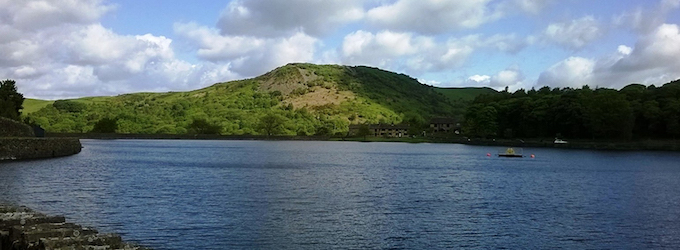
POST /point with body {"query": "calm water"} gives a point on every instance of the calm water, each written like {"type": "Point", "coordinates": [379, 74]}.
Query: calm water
{"type": "Point", "coordinates": [320, 195]}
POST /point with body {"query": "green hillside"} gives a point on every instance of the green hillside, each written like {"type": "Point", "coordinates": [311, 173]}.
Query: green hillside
{"type": "Point", "coordinates": [304, 99]}
{"type": "Point", "coordinates": [32, 105]}
{"type": "Point", "coordinates": [465, 94]}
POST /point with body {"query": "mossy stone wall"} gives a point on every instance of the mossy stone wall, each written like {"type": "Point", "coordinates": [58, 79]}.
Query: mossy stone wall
{"type": "Point", "coordinates": [12, 128]}
{"type": "Point", "coordinates": [37, 148]}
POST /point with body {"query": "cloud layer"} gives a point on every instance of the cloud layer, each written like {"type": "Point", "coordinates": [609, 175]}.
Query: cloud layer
{"type": "Point", "coordinates": [61, 48]}
{"type": "Point", "coordinates": [653, 60]}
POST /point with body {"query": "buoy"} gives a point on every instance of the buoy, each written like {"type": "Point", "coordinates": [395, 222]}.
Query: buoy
{"type": "Point", "coordinates": [488, 154]}
{"type": "Point", "coordinates": [533, 156]}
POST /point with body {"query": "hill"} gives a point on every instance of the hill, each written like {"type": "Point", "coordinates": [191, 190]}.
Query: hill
{"type": "Point", "coordinates": [304, 99]}
{"type": "Point", "coordinates": [465, 94]}
{"type": "Point", "coordinates": [33, 105]}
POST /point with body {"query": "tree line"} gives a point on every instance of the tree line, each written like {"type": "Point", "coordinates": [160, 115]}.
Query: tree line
{"type": "Point", "coordinates": [634, 112]}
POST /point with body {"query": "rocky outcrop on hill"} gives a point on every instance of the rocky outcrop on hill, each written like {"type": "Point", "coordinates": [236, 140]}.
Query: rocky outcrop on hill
{"type": "Point", "coordinates": [23, 229]}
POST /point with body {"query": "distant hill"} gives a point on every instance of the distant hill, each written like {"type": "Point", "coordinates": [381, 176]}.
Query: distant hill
{"type": "Point", "coordinates": [307, 99]}
{"type": "Point", "coordinates": [465, 94]}
{"type": "Point", "coordinates": [32, 105]}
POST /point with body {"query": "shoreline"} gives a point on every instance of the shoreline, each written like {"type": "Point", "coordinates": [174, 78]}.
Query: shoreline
{"type": "Point", "coordinates": [642, 145]}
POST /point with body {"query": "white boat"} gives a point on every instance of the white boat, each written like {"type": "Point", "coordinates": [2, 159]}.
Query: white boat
{"type": "Point", "coordinates": [560, 141]}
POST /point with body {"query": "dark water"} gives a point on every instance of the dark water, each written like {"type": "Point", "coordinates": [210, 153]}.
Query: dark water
{"type": "Point", "coordinates": [321, 195]}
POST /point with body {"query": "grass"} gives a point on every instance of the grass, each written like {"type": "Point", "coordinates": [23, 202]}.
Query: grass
{"type": "Point", "coordinates": [33, 105]}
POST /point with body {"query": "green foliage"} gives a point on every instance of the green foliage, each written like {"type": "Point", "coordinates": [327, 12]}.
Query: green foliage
{"type": "Point", "coordinates": [464, 94]}
{"type": "Point", "coordinates": [203, 127]}
{"type": "Point", "coordinates": [237, 107]}
{"type": "Point", "coordinates": [364, 131]}
{"type": "Point", "coordinates": [105, 125]}
{"type": "Point", "coordinates": [11, 101]}
{"type": "Point", "coordinates": [633, 112]}
{"type": "Point", "coordinates": [480, 121]}
{"type": "Point", "coordinates": [69, 106]}
{"type": "Point", "coordinates": [33, 105]}
{"type": "Point", "coordinates": [271, 124]}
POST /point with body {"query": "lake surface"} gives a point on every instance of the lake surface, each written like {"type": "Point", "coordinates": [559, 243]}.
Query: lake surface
{"type": "Point", "coordinates": [321, 195]}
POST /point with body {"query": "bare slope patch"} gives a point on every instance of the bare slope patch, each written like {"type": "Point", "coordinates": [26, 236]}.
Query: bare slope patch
{"type": "Point", "coordinates": [319, 96]}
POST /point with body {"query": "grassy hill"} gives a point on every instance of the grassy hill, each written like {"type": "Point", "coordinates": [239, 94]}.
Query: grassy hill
{"type": "Point", "coordinates": [305, 99]}
{"type": "Point", "coordinates": [465, 94]}
{"type": "Point", "coordinates": [33, 105]}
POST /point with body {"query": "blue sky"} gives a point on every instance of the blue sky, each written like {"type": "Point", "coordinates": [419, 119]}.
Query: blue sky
{"type": "Point", "coordinates": [73, 48]}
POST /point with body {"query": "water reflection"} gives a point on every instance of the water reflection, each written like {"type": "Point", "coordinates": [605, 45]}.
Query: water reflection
{"type": "Point", "coordinates": [255, 194]}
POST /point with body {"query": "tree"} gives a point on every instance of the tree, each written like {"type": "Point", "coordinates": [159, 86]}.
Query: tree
{"type": "Point", "coordinates": [69, 106]}
{"type": "Point", "coordinates": [11, 101]}
{"type": "Point", "coordinates": [363, 131]}
{"type": "Point", "coordinates": [271, 124]}
{"type": "Point", "coordinates": [203, 127]}
{"type": "Point", "coordinates": [481, 121]}
{"type": "Point", "coordinates": [416, 123]}
{"type": "Point", "coordinates": [105, 125]}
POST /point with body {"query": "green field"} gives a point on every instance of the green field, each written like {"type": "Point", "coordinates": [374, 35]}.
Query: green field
{"type": "Point", "coordinates": [33, 105]}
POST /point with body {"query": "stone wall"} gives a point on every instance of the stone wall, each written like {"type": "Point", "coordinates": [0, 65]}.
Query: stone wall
{"type": "Point", "coordinates": [12, 128]}
{"type": "Point", "coordinates": [24, 229]}
{"type": "Point", "coordinates": [36, 148]}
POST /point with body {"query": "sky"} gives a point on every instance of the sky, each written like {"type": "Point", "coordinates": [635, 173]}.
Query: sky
{"type": "Point", "coordinates": [56, 49]}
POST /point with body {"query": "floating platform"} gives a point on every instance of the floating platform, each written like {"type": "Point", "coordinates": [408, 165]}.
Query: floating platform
{"type": "Point", "coordinates": [511, 152]}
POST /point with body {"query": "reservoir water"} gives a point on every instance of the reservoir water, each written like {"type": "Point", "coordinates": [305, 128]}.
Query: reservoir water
{"type": "Point", "coordinates": [186, 194]}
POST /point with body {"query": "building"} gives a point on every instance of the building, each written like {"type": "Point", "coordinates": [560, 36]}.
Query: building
{"type": "Point", "coordinates": [443, 124]}
{"type": "Point", "coordinates": [382, 130]}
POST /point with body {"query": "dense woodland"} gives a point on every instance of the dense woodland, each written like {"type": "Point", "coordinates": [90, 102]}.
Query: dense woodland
{"type": "Point", "coordinates": [634, 112]}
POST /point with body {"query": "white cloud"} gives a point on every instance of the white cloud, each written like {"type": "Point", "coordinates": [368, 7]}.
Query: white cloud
{"type": "Point", "coordinates": [624, 50]}
{"type": "Point", "coordinates": [246, 55]}
{"type": "Point", "coordinates": [653, 60]}
{"type": "Point", "coordinates": [384, 49]}
{"type": "Point", "coordinates": [509, 43]}
{"type": "Point", "coordinates": [214, 47]}
{"type": "Point", "coordinates": [657, 50]}
{"type": "Point", "coordinates": [506, 78]}
{"type": "Point", "coordinates": [430, 82]}
{"type": "Point", "coordinates": [510, 77]}
{"type": "Point", "coordinates": [575, 34]}
{"type": "Point", "coordinates": [477, 79]}
{"type": "Point", "coordinates": [264, 18]}
{"type": "Point", "coordinates": [432, 16]}
{"type": "Point", "coordinates": [531, 6]}
{"type": "Point", "coordinates": [646, 21]}
{"type": "Point", "coordinates": [573, 72]}
{"type": "Point", "coordinates": [404, 51]}
{"type": "Point", "coordinates": [57, 49]}
{"type": "Point", "coordinates": [37, 14]}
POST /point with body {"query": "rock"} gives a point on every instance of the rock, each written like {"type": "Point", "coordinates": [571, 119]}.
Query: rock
{"type": "Point", "coordinates": [24, 229]}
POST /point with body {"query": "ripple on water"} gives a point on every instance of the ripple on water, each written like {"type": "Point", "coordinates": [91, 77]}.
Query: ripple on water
{"type": "Point", "coordinates": [318, 195]}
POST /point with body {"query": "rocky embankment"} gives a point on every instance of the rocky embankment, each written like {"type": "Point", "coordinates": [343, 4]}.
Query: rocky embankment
{"type": "Point", "coordinates": [37, 148]}
{"type": "Point", "coordinates": [18, 142]}
{"type": "Point", "coordinates": [24, 229]}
